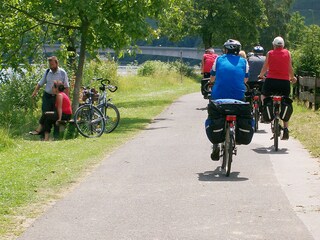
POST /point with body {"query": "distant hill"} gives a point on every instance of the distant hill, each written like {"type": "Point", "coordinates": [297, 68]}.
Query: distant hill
{"type": "Point", "coordinates": [310, 9]}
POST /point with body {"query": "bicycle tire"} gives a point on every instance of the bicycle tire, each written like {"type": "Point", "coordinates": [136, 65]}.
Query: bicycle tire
{"type": "Point", "coordinates": [226, 164]}
{"type": "Point", "coordinates": [111, 116]}
{"type": "Point", "coordinates": [89, 121]}
{"type": "Point", "coordinates": [256, 118]}
{"type": "Point", "coordinates": [230, 150]}
{"type": "Point", "coordinates": [276, 136]}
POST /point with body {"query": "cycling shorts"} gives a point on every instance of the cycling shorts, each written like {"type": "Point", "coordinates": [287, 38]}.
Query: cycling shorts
{"type": "Point", "coordinates": [273, 86]}
{"type": "Point", "coordinates": [256, 84]}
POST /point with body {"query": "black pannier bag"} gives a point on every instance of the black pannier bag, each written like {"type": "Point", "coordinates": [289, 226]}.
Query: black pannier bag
{"type": "Point", "coordinates": [216, 121]}
{"type": "Point", "coordinates": [244, 129]}
{"type": "Point", "coordinates": [267, 111]}
{"type": "Point", "coordinates": [286, 109]}
{"type": "Point", "coordinates": [215, 130]}
{"type": "Point", "coordinates": [221, 110]}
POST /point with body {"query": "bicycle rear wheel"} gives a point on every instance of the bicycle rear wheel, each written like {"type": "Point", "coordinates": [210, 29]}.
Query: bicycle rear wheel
{"type": "Point", "coordinates": [256, 118]}
{"type": "Point", "coordinates": [227, 152]}
{"type": "Point", "coordinates": [276, 134]}
{"type": "Point", "coordinates": [89, 121]}
{"type": "Point", "coordinates": [112, 117]}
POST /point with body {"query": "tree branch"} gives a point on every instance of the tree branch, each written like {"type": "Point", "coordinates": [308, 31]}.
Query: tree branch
{"type": "Point", "coordinates": [42, 20]}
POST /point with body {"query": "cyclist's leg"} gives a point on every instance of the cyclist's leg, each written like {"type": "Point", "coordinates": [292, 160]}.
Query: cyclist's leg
{"type": "Point", "coordinates": [203, 84]}
{"type": "Point", "coordinates": [215, 155]}
{"type": "Point", "coordinates": [285, 91]}
{"type": "Point", "coordinates": [266, 91]}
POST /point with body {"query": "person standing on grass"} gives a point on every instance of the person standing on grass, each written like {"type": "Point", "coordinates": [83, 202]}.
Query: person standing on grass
{"type": "Point", "coordinates": [53, 73]}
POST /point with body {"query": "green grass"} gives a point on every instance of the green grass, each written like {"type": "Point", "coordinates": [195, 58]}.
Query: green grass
{"type": "Point", "coordinates": [33, 173]}
{"type": "Point", "coordinates": [304, 125]}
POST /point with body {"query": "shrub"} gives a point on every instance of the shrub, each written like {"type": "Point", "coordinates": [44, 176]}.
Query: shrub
{"type": "Point", "coordinates": [5, 140]}
{"type": "Point", "coordinates": [307, 57]}
{"type": "Point", "coordinates": [17, 107]}
{"type": "Point", "coordinates": [151, 68]}
{"type": "Point", "coordinates": [157, 68]}
{"type": "Point", "coordinates": [100, 68]}
{"type": "Point", "coordinates": [183, 68]}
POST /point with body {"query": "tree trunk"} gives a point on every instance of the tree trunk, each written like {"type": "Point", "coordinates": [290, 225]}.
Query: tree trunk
{"type": "Point", "coordinates": [207, 38]}
{"type": "Point", "coordinates": [79, 73]}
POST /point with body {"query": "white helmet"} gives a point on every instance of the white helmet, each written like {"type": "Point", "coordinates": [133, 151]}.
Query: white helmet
{"type": "Point", "coordinates": [278, 42]}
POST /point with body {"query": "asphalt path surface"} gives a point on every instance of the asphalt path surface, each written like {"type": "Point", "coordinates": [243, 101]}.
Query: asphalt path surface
{"type": "Point", "coordinates": [163, 185]}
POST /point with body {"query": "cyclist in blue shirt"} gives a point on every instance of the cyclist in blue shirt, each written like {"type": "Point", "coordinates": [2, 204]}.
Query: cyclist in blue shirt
{"type": "Point", "coordinates": [229, 73]}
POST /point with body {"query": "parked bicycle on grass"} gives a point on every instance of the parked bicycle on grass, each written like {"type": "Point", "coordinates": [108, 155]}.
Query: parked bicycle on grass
{"type": "Point", "coordinates": [93, 120]}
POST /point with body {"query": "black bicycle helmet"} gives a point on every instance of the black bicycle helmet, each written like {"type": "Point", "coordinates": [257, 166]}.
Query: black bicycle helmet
{"type": "Point", "coordinates": [232, 46]}
{"type": "Point", "coordinates": [258, 49]}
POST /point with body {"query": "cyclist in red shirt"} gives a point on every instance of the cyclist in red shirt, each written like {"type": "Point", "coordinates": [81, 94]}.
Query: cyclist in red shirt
{"type": "Point", "coordinates": [208, 59]}
{"type": "Point", "coordinates": [278, 66]}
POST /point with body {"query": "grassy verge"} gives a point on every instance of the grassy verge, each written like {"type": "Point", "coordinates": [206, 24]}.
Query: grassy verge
{"type": "Point", "coordinates": [304, 126]}
{"type": "Point", "coordinates": [33, 173]}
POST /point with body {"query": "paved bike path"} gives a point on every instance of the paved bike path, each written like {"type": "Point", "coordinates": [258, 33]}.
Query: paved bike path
{"type": "Point", "coordinates": [163, 185]}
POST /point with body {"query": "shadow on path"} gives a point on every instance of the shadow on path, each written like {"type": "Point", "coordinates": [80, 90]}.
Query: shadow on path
{"type": "Point", "coordinates": [261, 131]}
{"type": "Point", "coordinates": [270, 150]}
{"type": "Point", "coordinates": [219, 176]}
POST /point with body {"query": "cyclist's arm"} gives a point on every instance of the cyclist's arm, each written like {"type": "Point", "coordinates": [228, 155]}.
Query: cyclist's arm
{"type": "Point", "coordinates": [292, 78]}
{"type": "Point", "coordinates": [264, 68]}
{"type": "Point", "coordinates": [202, 65]}
{"type": "Point", "coordinates": [59, 106]}
{"type": "Point", "coordinates": [247, 72]}
{"type": "Point", "coordinates": [213, 72]}
{"type": "Point", "coordinates": [36, 90]}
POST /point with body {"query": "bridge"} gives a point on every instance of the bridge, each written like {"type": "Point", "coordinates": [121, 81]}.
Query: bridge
{"type": "Point", "coordinates": [178, 52]}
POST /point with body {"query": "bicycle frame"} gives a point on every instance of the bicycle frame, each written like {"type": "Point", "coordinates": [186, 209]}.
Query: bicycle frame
{"type": "Point", "coordinates": [256, 101]}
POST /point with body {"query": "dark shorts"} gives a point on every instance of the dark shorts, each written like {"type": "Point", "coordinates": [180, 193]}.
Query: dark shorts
{"type": "Point", "coordinates": [273, 86]}
{"type": "Point", "coordinates": [206, 75]}
{"type": "Point", "coordinates": [257, 84]}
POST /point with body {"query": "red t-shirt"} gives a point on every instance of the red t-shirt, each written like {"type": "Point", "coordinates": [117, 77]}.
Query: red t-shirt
{"type": "Point", "coordinates": [209, 59]}
{"type": "Point", "coordinates": [66, 104]}
{"type": "Point", "coordinates": [279, 61]}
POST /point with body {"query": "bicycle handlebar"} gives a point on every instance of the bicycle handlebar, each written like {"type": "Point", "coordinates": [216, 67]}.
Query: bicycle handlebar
{"type": "Point", "coordinates": [102, 80]}
{"type": "Point", "coordinates": [115, 88]}
{"type": "Point", "coordinates": [106, 83]}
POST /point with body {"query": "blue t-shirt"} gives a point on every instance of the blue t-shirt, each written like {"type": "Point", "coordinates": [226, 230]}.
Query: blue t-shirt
{"type": "Point", "coordinates": [230, 71]}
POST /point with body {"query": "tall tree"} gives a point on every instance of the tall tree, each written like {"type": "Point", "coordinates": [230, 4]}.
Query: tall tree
{"type": "Point", "coordinates": [93, 24]}
{"type": "Point", "coordinates": [216, 20]}
{"type": "Point", "coordinates": [278, 15]}
{"type": "Point", "coordinates": [296, 30]}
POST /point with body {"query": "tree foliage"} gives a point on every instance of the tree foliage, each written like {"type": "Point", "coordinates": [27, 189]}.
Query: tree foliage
{"type": "Point", "coordinates": [296, 30]}
{"type": "Point", "coordinates": [306, 55]}
{"type": "Point", "coordinates": [215, 21]}
{"type": "Point", "coordinates": [84, 24]}
{"type": "Point", "coordinates": [278, 16]}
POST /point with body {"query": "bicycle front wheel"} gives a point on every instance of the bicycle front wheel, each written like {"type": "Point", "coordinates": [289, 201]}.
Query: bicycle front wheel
{"type": "Point", "coordinates": [89, 121]}
{"type": "Point", "coordinates": [112, 117]}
